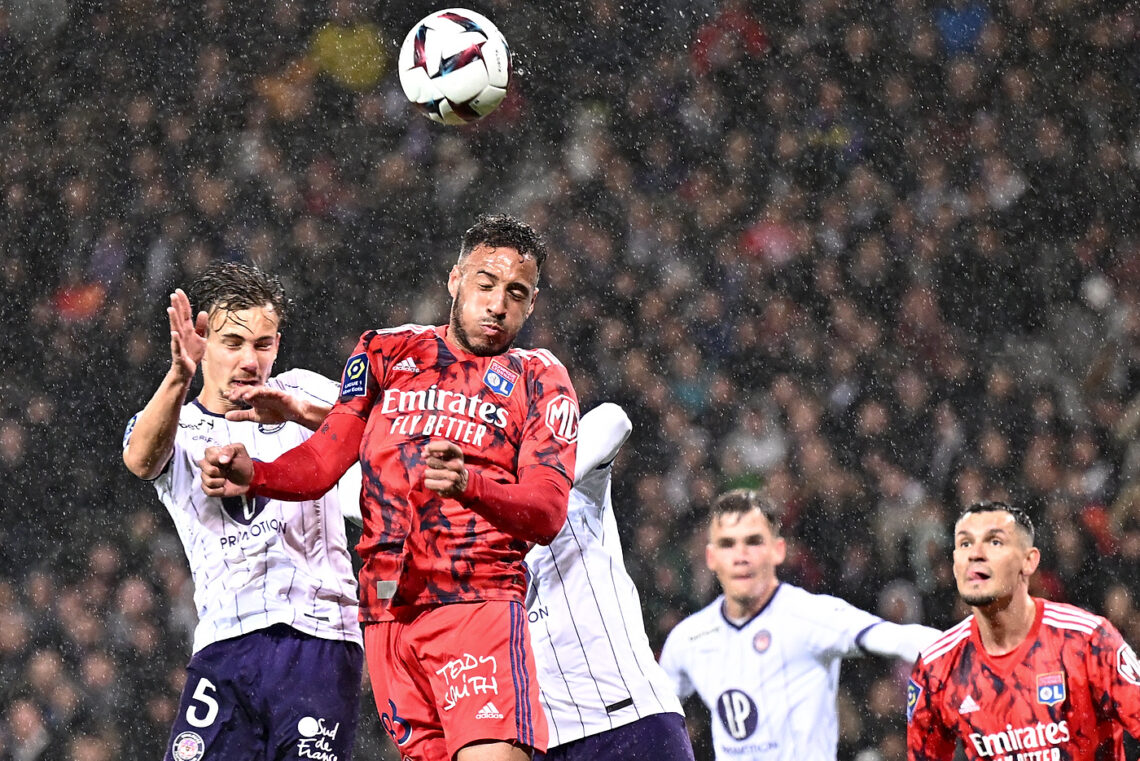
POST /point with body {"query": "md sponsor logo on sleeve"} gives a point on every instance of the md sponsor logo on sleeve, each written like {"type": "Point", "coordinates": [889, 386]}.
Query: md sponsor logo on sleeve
{"type": "Point", "coordinates": [562, 418]}
{"type": "Point", "coordinates": [500, 378]}
{"type": "Point", "coordinates": [355, 380]}
{"type": "Point", "coordinates": [913, 693]}
{"type": "Point", "coordinates": [1127, 664]}
{"type": "Point", "coordinates": [1051, 688]}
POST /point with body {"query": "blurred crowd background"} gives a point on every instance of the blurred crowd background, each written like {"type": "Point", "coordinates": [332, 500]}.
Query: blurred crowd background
{"type": "Point", "coordinates": [880, 257]}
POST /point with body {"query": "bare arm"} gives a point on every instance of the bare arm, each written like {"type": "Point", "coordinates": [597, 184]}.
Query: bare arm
{"type": "Point", "coordinates": [152, 438]}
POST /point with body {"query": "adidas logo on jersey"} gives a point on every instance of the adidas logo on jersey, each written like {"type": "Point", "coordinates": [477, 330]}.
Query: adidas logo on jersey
{"type": "Point", "coordinates": [969, 705]}
{"type": "Point", "coordinates": [489, 712]}
{"type": "Point", "coordinates": [407, 365]}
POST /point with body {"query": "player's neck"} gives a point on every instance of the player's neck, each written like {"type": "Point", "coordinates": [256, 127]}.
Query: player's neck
{"type": "Point", "coordinates": [738, 610]}
{"type": "Point", "coordinates": [213, 402]}
{"type": "Point", "coordinates": [1004, 624]}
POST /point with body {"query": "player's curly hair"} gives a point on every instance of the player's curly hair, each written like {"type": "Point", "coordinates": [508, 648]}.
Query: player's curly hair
{"type": "Point", "coordinates": [233, 286]}
{"type": "Point", "coordinates": [504, 230]}
{"type": "Point", "coordinates": [1020, 517]}
{"type": "Point", "coordinates": [740, 501]}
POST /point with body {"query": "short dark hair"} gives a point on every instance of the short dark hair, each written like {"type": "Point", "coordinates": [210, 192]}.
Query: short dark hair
{"type": "Point", "coordinates": [1019, 515]}
{"type": "Point", "coordinates": [504, 230]}
{"type": "Point", "coordinates": [233, 286]}
{"type": "Point", "coordinates": [740, 501]}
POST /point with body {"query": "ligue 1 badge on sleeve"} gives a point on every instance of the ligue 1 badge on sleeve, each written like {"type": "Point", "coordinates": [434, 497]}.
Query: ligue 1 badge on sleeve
{"type": "Point", "coordinates": [1051, 688]}
{"type": "Point", "coordinates": [354, 382]}
{"type": "Point", "coordinates": [913, 693]}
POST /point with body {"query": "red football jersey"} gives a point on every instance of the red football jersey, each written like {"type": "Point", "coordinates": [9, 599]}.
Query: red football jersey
{"type": "Point", "coordinates": [1065, 694]}
{"type": "Point", "coordinates": [508, 413]}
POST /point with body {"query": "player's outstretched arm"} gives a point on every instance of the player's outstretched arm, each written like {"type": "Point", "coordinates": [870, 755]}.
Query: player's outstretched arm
{"type": "Point", "coordinates": [601, 433]}
{"type": "Point", "coordinates": [903, 641]}
{"type": "Point", "coordinates": [273, 406]}
{"type": "Point", "coordinates": [150, 441]}
{"type": "Point", "coordinates": [304, 472]}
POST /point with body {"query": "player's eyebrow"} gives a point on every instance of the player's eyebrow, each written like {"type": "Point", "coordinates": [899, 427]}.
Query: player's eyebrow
{"type": "Point", "coordinates": [517, 284]}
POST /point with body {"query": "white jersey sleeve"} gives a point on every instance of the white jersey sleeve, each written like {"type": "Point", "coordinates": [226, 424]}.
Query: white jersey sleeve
{"type": "Point", "coordinates": [259, 562]}
{"type": "Point", "coordinates": [596, 669]}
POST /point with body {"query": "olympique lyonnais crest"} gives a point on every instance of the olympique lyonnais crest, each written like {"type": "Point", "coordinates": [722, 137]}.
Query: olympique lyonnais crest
{"type": "Point", "coordinates": [762, 641]}
{"type": "Point", "coordinates": [500, 378]}
{"type": "Point", "coordinates": [1051, 688]}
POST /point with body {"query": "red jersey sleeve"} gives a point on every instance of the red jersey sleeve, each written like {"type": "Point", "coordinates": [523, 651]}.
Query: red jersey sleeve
{"type": "Point", "coordinates": [359, 384]}
{"type": "Point", "coordinates": [1114, 676]}
{"type": "Point", "coordinates": [550, 434]}
{"type": "Point", "coordinates": [928, 738]}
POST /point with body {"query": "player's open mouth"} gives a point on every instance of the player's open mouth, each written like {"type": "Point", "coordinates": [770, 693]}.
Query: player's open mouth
{"type": "Point", "coordinates": [977, 576]}
{"type": "Point", "coordinates": [249, 382]}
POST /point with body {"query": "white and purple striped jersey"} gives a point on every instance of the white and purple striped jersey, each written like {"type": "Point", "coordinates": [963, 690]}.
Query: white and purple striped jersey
{"type": "Point", "coordinates": [596, 669]}
{"type": "Point", "coordinates": [259, 562]}
{"type": "Point", "coordinates": [772, 682]}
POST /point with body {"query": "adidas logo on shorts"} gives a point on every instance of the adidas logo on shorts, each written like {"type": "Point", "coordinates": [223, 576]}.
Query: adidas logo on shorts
{"type": "Point", "coordinates": [489, 712]}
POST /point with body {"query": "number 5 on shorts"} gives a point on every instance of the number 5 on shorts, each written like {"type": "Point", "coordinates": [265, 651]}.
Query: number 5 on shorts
{"type": "Point", "coordinates": [210, 703]}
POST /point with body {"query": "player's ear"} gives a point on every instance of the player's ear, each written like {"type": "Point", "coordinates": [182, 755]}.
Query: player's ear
{"type": "Point", "coordinates": [533, 297]}
{"type": "Point", "coordinates": [453, 281]}
{"type": "Point", "coordinates": [709, 556]}
{"type": "Point", "coordinates": [779, 551]}
{"type": "Point", "coordinates": [1032, 559]}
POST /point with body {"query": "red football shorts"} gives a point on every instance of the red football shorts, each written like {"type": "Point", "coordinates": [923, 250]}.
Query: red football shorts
{"type": "Point", "coordinates": [454, 675]}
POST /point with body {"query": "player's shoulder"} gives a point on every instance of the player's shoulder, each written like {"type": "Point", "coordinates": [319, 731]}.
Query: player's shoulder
{"type": "Point", "coordinates": [298, 379]}
{"type": "Point", "coordinates": [384, 339]}
{"type": "Point", "coordinates": [699, 625]}
{"type": "Point", "coordinates": [1058, 615]}
{"type": "Point", "coordinates": [807, 604]}
{"type": "Point", "coordinates": [538, 358]}
{"type": "Point", "coordinates": [952, 639]}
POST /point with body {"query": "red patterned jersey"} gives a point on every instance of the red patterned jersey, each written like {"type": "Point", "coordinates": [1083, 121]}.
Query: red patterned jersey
{"type": "Point", "coordinates": [1065, 694]}
{"type": "Point", "coordinates": [508, 413]}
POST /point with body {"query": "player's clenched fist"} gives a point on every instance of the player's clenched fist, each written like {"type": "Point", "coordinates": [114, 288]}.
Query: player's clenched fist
{"type": "Point", "coordinates": [226, 471]}
{"type": "Point", "coordinates": [445, 473]}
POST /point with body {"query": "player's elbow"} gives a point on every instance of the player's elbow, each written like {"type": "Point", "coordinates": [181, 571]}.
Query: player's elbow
{"type": "Point", "coordinates": [548, 525]}
{"type": "Point", "coordinates": [139, 465]}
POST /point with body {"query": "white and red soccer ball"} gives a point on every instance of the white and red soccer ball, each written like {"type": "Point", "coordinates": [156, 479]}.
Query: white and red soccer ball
{"type": "Point", "coordinates": [454, 66]}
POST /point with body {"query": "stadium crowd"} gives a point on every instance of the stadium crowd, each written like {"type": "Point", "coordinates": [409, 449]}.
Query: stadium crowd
{"type": "Point", "coordinates": [882, 258]}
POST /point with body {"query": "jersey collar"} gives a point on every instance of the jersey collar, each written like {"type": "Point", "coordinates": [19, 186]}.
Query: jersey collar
{"type": "Point", "coordinates": [764, 607]}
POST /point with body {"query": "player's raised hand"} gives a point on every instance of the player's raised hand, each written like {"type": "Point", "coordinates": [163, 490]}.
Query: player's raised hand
{"type": "Point", "coordinates": [187, 335]}
{"type": "Point", "coordinates": [226, 471]}
{"type": "Point", "coordinates": [266, 405]}
{"type": "Point", "coordinates": [445, 473]}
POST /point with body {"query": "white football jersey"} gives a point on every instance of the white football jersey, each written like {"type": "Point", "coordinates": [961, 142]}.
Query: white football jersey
{"type": "Point", "coordinates": [596, 669]}
{"type": "Point", "coordinates": [772, 682]}
{"type": "Point", "coordinates": [260, 562]}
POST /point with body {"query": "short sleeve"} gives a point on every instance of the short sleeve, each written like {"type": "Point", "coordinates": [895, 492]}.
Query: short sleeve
{"type": "Point", "coordinates": [672, 661]}
{"type": "Point", "coordinates": [550, 433]}
{"type": "Point", "coordinates": [1114, 673]}
{"type": "Point", "coordinates": [359, 384]}
{"type": "Point", "coordinates": [927, 737]}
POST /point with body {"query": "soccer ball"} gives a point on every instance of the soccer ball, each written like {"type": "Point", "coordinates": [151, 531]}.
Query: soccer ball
{"type": "Point", "coordinates": [454, 66]}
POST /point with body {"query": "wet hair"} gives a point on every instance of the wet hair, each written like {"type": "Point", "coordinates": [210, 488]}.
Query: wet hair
{"type": "Point", "coordinates": [232, 286]}
{"type": "Point", "coordinates": [740, 501]}
{"type": "Point", "coordinates": [1019, 515]}
{"type": "Point", "coordinates": [497, 230]}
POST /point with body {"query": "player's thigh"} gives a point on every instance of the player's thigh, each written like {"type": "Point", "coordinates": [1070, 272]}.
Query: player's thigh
{"type": "Point", "coordinates": [660, 737]}
{"type": "Point", "coordinates": [478, 659]}
{"type": "Point", "coordinates": [403, 696]}
{"type": "Point", "coordinates": [313, 707]}
{"type": "Point", "coordinates": [215, 720]}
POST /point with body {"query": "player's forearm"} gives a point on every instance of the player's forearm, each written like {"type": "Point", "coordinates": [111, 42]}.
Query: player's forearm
{"type": "Point", "coordinates": [533, 510]}
{"type": "Point", "coordinates": [152, 437]}
{"type": "Point", "coordinates": [601, 433]}
{"type": "Point", "coordinates": [903, 641]}
{"type": "Point", "coordinates": [311, 469]}
{"type": "Point", "coordinates": [312, 414]}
